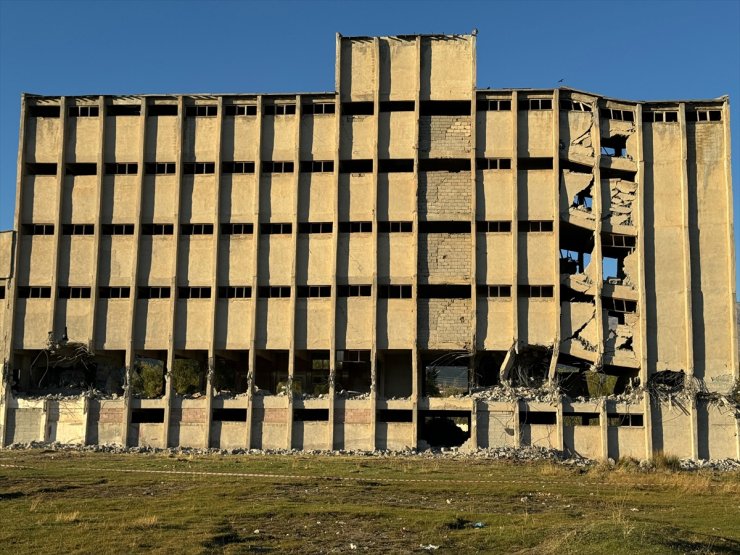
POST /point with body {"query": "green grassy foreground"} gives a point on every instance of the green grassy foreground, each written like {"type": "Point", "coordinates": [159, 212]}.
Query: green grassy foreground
{"type": "Point", "coordinates": [66, 502]}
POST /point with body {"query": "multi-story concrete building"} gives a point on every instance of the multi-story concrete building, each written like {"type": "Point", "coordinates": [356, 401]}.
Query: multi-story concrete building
{"type": "Point", "coordinates": [408, 260]}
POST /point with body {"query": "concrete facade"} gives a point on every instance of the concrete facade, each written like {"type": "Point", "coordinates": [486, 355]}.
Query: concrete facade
{"type": "Point", "coordinates": [407, 261]}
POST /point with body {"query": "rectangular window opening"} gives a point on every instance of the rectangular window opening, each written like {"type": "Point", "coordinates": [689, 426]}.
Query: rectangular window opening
{"type": "Point", "coordinates": [358, 108]}
{"type": "Point", "coordinates": [147, 292]}
{"type": "Point", "coordinates": [534, 164]}
{"type": "Point", "coordinates": [199, 168]}
{"type": "Point", "coordinates": [537, 418]}
{"type": "Point", "coordinates": [395, 416]}
{"type": "Point", "coordinates": [394, 292]}
{"type": "Point", "coordinates": [41, 111]}
{"type": "Point", "coordinates": [496, 291]}
{"type": "Point", "coordinates": [209, 110]}
{"type": "Point", "coordinates": [535, 104]}
{"type": "Point", "coordinates": [160, 168]}
{"type": "Point", "coordinates": [147, 416]}
{"type": "Point", "coordinates": [194, 292]}
{"type": "Point", "coordinates": [444, 108]}
{"type": "Point", "coordinates": [162, 110]}
{"type": "Point", "coordinates": [317, 166]}
{"type": "Point", "coordinates": [355, 166]}
{"type": "Point", "coordinates": [535, 291]}
{"type": "Point", "coordinates": [229, 415]}
{"type": "Point", "coordinates": [396, 166]}
{"type": "Point", "coordinates": [237, 229]}
{"type": "Point", "coordinates": [444, 164]}
{"type": "Point", "coordinates": [196, 229]}
{"type": "Point", "coordinates": [234, 292]}
{"type": "Point", "coordinates": [237, 167]}
{"type": "Point", "coordinates": [274, 291]}
{"type": "Point", "coordinates": [354, 290]}
{"type": "Point", "coordinates": [78, 229]}
{"type": "Point", "coordinates": [123, 110]}
{"type": "Point", "coordinates": [125, 168]}
{"type": "Point", "coordinates": [493, 105]}
{"type": "Point", "coordinates": [443, 291]}
{"type": "Point", "coordinates": [276, 228]}
{"type": "Point", "coordinates": [395, 227]}
{"type": "Point", "coordinates": [397, 106]}
{"type": "Point", "coordinates": [66, 292]}
{"type": "Point", "coordinates": [114, 292]}
{"type": "Point", "coordinates": [83, 111]}
{"type": "Point", "coordinates": [279, 109]}
{"type": "Point", "coordinates": [41, 169]}
{"type": "Point", "coordinates": [313, 291]}
{"type": "Point", "coordinates": [315, 227]}
{"type": "Point", "coordinates": [311, 415]}
{"type": "Point", "coordinates": [535, 226]}
{"type": "Point", "coordinates": [240, 110]}
{"type": "Point", "coordinates": [444, 227]}
{"type": "Point", "coordinates": [319, 108]}
{"type": "Point", "coordinates": [33, 292]}
{"type": "Point", "coordinates": [81, 169]}
{"type": "Point", "coordinates": [355, 227]}
{"type": "Point", "coordinates": [501, 226]}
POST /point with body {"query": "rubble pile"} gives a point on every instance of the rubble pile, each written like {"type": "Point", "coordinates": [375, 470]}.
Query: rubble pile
{"type": "Point", "coordinates": [517, 455]}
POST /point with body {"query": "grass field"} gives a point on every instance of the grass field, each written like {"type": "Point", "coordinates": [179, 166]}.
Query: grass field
{"type": "Point", "coordinates": [66, 502]}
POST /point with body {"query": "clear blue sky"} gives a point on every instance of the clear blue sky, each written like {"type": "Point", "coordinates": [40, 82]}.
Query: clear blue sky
{"type": "Point", "coordinates": [634, 50]}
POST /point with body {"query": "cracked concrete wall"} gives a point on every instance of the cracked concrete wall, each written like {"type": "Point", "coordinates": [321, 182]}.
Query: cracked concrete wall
{"type": "Point", "coordinates": [445, 136]}
{"type": "Point", "coordinates": [444, 323]}
{"type": "Point", "coordinates": [620, 339]}
{"type": "Point", "coordinates": [572, 184]}
{"type": "Point", "coordinates": [445, 195]}
{"type": "Point", "coordinates": [618, 198]}
{"type": "Point", "coordinates": [578, 329]}
{"type": "Point", "coordinates": [444, 257]}
{"type": "Point", "coordinates": [575, 134]}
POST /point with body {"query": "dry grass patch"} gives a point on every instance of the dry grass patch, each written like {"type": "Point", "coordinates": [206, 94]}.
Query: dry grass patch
{"type": "Point", "coordinates": [146, 522]}
{"type": "Point", "coordinates": [68, 518]}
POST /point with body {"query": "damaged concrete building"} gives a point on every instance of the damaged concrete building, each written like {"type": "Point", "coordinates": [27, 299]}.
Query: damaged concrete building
{"type": "Point", "coordinates": [408, 261]}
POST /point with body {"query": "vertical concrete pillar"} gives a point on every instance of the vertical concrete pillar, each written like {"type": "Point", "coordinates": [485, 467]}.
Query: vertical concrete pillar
{"type": "Point", "coordinates": [375, 285]}
{"type": "Point", "coordinates": [214, 274]}
{"type": "Point", "coordinates": [59, 200]}
{"type": "Point", "coordinates": [517, 424]}
{"type": "Point", "coordinates": [134, 281]}
{"type": "Point", "coordinates": [293, 288]}
{"type": "Point", "coordinates": [255, 273]}
{"type": "Point", "coordinates": [97, 229]}
{"type": "Point", "coordinates": [174, 280]}
{"type": "Point", "coordinates": [473, 244]}
{"type": "Point", "coordinates": [597, 256]}
{"type": "Point", "coordinates": [556, 233]}
{"type": "Point", "coordinates": [416, 386]}
{"type": "Point", "coordinates": [604, 427]}
{"type": "Point", "coordinates": [642, 295]}
{"type": "Point", "coordinates": [514, 236]}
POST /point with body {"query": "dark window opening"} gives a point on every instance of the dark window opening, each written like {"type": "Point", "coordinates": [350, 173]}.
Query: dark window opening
{"type": "Point", "coordinates": [575, 167]}
{"type": "Point", "coordinates": [127, 168]}
{"type": "Point", "coordinates": [210, 110]}
{"type": "Point", "coordinates": [574, 262]}
{"type": "Point", "coordinates": [617, 419]}
{"type": "Point", "coordinates": [237, 167]}
{"type": "Point", "coordinates": [495, 291]}
{"type": "Point", "coordinates": [146, 292]}
{"type": "Point", "coordinates": [277, 167]}
{"type": "Point", "coordinates": [444, 164]}
{"type": "Point", "coordinates": [535, 291]}
{"type": "Point", "coordinates": [395, 165]}
{"type": "Point", "coordinates": [41, 169]}
{"type": "Point", "coordinates": [193, 292]}
{"type": "Point", "coordinates": [535, 104]}
{"type": "Point", "coordinates": [34, 292]}
{"type": "Point", "coordinates": [237, 229]}
{"type": "Point", "coordinates": [2, 292]}
{"type": "Point", "coordinates": [273, 291]}
{"type": "Point", "coordinates": [537, 418]}
{"type": "Point", "coordinates": [394, 292]}
{"type": "Point", "coordinates": [240, 110]}
{"type": "Point", "coordinates": [353, 372]}
{"type": "Point", "coordinates": [114, 292]}
{"type": "Point", "coordinates": [493, 227]}
{"type": "Point", "coordinates": [612, 173]}
{"type": "Point", "coordinates": [354, 290]}
{"type": "Point", "coordinates": [491, 105]}
{"type": "Point", "coordinates": [199, 168]}
{"type": "Point", "coordinates": [319, 108]}
{"type": "Point", "coordinates": [571, 419]}
{"type": "Point", "coordinates": [703, 115]}
{"type": "Point", "coordinates": [395, 227]}
{"type": "Point", "coordinates": [444, 227]}
{"type": "Point", "coordinates": [234, 292]}
{"type": "Point", "coordinates": [397, 106]}
{"type": "Point", "coordinates": [619, 305]}
{"type": "Point", "coordinates": [615, 114]}
{"type": "Point", "coordinates": [157, 229]}
{"type": "Point", "coordinates": [66, 292]}
{"type": "Point", "coordinates": [147, 416]}
{"type": "Point", "coordinates": [81, 169]}
{"type": "Point", "coordinates": [444, 108]}
{"type": "Point", "coordinates": [358, 108]}
{"type": "Point", "coordinates": [44, 111]}
{"type": "Point", "coordinates": [196, 229]}
{"type": "Point", "coordinates": [83, 111]}
{"type": "Point", "coordinates": [534, 164]}
{"type": "Point", "coordinates": [312, 291]}
{"type": "Point", "coordinates": [443, 291]}
{"type": "Point", "coordinates": [615, 146]}
{"type": "Point", "coordinates": [662, 116]}
{"type": "Point", "coordinates": [78, 229]}
{"type": "Point", "coordinates": [311, 415]}
{"type": "Point", "coordinates": [229, 415]}
{"type": "Point", "coordinates": [395, 416]}
{"type": "Point", "coordinates": [37, 229]}
{"type": "Point", "coordinates": [160, 168]}
{"type": "Point", "coordinates": [317, 166]}
{"type": "Point", "coordinates": [535, 226]}
{"type": "Point", "coordinates": [444, 428]}
{"type": "Point", "coordinates": [574, 106]}
{"type": "Point", "coordinates": [493, 163]}
{"type": "Point", "coordinates": [355, 166]}
{"type": "Point", "coordinates": [162, 110]}
{"type": "Point", "coordinates": [280, 109]}
{"type": "Point", "coordinates": [276, 229]}
{"type": "Point", "coordinates": [123, 110]}
{"type": "Point", "coordinates": [355, 227]}
{"type": "Point", "coordinates": [315, 227]}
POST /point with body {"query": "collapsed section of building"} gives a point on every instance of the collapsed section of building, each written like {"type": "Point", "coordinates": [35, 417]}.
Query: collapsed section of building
{"type": "Point", "coordinates": [408, 261]}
